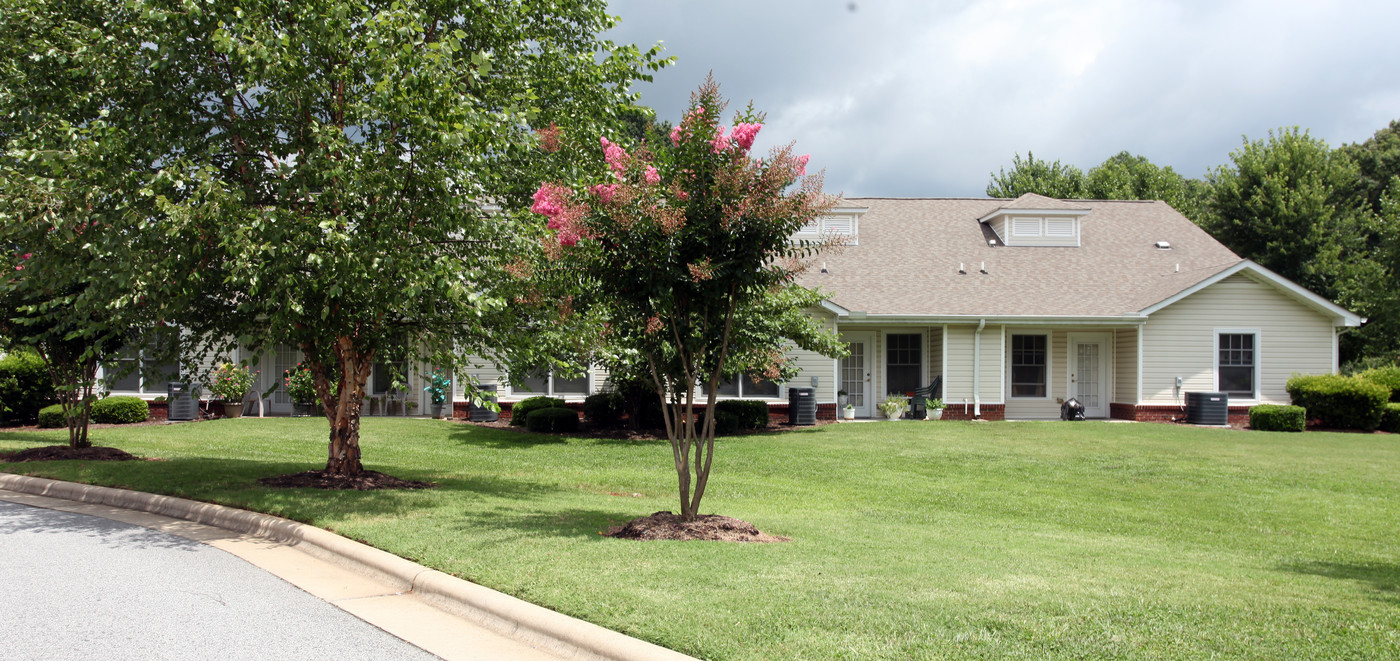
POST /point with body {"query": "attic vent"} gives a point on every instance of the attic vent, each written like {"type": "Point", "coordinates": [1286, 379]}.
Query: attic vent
{"type": "Point", "coordinates": [1063, 227]}
{"type": "Point", "coordinates": [1163, 245]}
{"type": "Point", "coordinates": [840, 226]}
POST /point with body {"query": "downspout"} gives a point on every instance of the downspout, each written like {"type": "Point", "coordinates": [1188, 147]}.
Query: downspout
{"type": "Point", "coordinates": [977, 369]}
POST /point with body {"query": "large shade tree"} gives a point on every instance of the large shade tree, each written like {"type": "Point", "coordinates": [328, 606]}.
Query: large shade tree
{"type": "Point", "coordinates": [683, 249]}
{"type": "Point", "coordinates": [339, 163]}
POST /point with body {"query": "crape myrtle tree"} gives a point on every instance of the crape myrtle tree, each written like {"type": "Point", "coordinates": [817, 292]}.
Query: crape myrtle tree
{"type": "Point", "coordinates": [683, 250]}
{"type": "Point", "coordinates": [78, 159]}
{"type": "Point", "coordinates": [343, 159]}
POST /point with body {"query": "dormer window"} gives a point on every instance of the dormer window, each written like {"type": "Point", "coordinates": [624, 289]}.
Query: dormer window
{"type": "Point", "coordinates": [1034, 220]}
{"type": "Point", "coordinates": [842, 222]}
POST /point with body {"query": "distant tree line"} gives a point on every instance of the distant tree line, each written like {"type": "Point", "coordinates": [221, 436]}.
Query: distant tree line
{"type": "Point", "coordinates": [1326, 218]}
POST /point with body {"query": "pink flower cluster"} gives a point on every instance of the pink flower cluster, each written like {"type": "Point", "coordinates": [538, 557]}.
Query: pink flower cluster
{"type": "Point", "coordinates": [604, 192]}
{"type": "Point", "coordinates": [616, 157]}
{"type": "Point", "coordinates": [652, 176]}
{"type": "Point", "coordinates": [720, 141]}
{"type": "Point", "coordinates": [676, 136]}
{"type": "Point", "coordinates": [556, 203]}
{"type": "Point", "coordinates": [744, 133]}
{"type": "Point", "coordinates": [802, 164]}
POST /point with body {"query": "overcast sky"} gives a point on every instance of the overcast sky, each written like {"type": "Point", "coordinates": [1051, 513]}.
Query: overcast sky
{"type": "Point", "coordinates": [927, 98]}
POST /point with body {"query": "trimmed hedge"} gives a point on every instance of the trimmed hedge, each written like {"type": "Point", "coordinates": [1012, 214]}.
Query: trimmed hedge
{"type": "Point", "coordinates": [25, 386]}
{"type": "Point", "coordinates": [751, 414]}
{"type": "Point", "coordinates": [51, 417]}
{"type": "Point", "coordinates": [1273, 417]}
{"type": "Point", "coordinates": [521, 409]}
{"type": "Point", "coordinates": [726, 423]}
{"type": "Point", "coordinates": [1343, 402]}
{"type": "Point", "coordinates": [604, 409]}
{"type": "Point", "coordinates": [1388, 376]}
{"type": "Point", "coordinates": [1390, 419]}
{"type": "Point", "coordinates": [551, 420]}
{"type": "Point", "coordinates": [120, 410]}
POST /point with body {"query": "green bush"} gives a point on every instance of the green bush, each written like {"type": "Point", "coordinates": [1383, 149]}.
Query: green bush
{"type": "Point", "coordinates": [751, 414]}
{"type": "Point", "coordinates": [604, 409]}
{"type": "Point", "coordinates": [521, 409]}
{"type": "Point", "coordinates": [51, 417]}
{"type": "Point", "coordinates": [1390, 419]}
{"type": "Point", "coordinates": [1388, 376]}
{"type": "Point", "coordinates": [120, 410]}
{"type": "Point", "coordinates": [551, 421]}
{"type": "Point", "coordinates": [726, 423]}
{"type": "Point", "coordinates": [1272, 417]}
{"type": "Point", "coordinates": [25, 386]}
{"type": "Point", "coordinates": [1342, 402]}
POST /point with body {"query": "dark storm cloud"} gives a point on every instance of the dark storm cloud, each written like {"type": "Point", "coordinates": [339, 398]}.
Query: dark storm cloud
{"type": "Point", "coordinates": [927, 98]}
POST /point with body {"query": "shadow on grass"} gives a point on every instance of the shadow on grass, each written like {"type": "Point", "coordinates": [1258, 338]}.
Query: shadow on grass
{"type": "Point", "coordinates": [571, 523]}
{"type": "Point", "coordinates": [491, 437]}
{"type": "Point", "coordinates": [1383, 577]}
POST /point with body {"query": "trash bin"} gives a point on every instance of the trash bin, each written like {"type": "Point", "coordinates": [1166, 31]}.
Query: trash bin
{"type": "Point", "coordinates": [481, 413]}
{"type": "Point", "coordinates": [802, 406]}
{"type": "Point", "coordinates": [181, 402]}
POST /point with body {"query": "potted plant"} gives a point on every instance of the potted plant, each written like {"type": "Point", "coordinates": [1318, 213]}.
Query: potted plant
{"type": "Point", "coordinates": [438, 385]}
{"type": "Point", "coordinates": [933, 409]}
{"type": "Point", "coordinates": [229, 383]}
{"type": "Point", "coordinates": [301, 387]}
{"type": "Point", "coordinates": [894, 406]}
{"type": "Point", "coordinates": [842, 398]}
{"type": "Point", "coordinates": [849, 412]}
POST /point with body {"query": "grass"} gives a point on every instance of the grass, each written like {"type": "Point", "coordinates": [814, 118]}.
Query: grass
{"type": "Point", "coordinates": [910, 540]}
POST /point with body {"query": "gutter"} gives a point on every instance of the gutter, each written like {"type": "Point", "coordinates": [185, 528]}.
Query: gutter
{"type": "Point", "coordinates": [977, 369]}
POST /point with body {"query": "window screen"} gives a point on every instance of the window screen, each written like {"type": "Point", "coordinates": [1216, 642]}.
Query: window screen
{"type": "Point", "coordinates": [1028, 366]}
{"type": "Point", "coordinates": [1236, 377]}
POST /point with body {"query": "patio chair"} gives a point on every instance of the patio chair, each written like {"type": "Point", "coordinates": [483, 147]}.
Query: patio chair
{"type": "Point", "coordinates": [931, 391]}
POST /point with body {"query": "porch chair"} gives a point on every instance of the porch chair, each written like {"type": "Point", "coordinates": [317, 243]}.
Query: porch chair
{"type": "Point", "coordinates": [931, 391]}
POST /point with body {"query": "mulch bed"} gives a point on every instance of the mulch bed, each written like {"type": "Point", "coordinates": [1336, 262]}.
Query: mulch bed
{"type": "Point", "coordinates": [365, 481]}
{"type": "Point", "coordinates": [64, 452]}
{"type": "Point", "coordinates": [586, 430]}
{"type": "Point", "coordinates": [706, 527]}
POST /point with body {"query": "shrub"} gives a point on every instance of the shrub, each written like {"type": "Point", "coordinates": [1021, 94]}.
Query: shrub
{"type": "Point", "coordinates": [1343, 402]}
{"type": "Point", "coordinates": [551, 420]}
{"type": "Point", "coordinates": [1388, 376]}
{"type": "Point", "coordinates": [726, 423]}
{"type": "Point", "coordinates": [604, 409]}
{"type": "Point", "coordinates": [51, 417]}
{"type": "Point", "coordinates": [521, 410]}
{"type": "Point", "coordinates": [1272, 417]}
{"type": "Point", "coordinates": [1390, 419]}
{"type": "Point", "coordinates": [641, 404]}
{"type": "Point", "coordinates": [748, 413]}
{"type": "Point", "coordinates": [25, 386]}
{"type": "Point", "coordinates": [120, 410]}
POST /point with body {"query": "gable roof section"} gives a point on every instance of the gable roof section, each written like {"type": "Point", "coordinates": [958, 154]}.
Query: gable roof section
{"type": "Point", "coordinates": [1340, 316]}
{"type": "Point", "coordinates": [907, 261]}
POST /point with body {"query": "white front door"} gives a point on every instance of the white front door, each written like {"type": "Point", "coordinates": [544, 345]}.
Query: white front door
{"type": "Point", "coordinates": [855, 373]}
{"type": "Point", "coordinates": [1089, 373]}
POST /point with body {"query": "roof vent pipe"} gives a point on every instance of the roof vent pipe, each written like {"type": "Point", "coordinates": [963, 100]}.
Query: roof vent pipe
{"type": "Point", "coordinates": [960, 268]}
{"type": "Point", "coordinates": [977, 369]}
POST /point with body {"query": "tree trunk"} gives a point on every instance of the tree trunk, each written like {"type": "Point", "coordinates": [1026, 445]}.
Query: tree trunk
{"type": "Point", "coordinates": [344, 457]}
{"type": "Point", "coordinates": [342, 407]}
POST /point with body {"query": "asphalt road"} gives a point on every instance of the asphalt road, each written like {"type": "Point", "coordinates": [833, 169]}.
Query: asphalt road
{"type": "Point", "coordinates": [74, 586]}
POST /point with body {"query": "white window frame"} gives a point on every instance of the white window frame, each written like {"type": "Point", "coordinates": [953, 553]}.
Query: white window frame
{"type": "Point", "coordinates": [744, 379]}
{"type": "Point", "coordinates": [141, 390]}
{"type": "Point", "coordinates": [1258, 359]}
{"type": "Point", "coordinates": [588, 375]}
{"type": "Point", "coordinates": [1010, 363]}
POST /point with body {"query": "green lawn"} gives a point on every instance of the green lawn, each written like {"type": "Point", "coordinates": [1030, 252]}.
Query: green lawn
{"type": "Point", "coordinates": [910, 540]}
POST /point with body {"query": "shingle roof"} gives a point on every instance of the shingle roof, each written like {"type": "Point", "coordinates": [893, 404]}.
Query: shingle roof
{"type": "Point", "coordinates": [908, 252]}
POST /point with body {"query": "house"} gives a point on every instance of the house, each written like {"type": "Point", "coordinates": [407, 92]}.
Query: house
{"type": "Point", "coordinates": [1016, 306]}
{"type": "Point", "coordinates": [1021, 304]}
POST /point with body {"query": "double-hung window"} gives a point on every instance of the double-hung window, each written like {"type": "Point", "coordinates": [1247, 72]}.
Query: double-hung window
{"type": "Point", "coordinates": [1029, 375]}
{"type": "Point", "coordinates": [547, 382]}
{"type": "Point", "coordinates": [745, 386]}
{"type": "Point", "coordinates": [1237, 364]}
{"type": "Point", "coordinates": [144, 370]}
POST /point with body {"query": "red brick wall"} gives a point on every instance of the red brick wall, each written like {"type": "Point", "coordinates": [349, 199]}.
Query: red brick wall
{"type": "Point", "coordinates": [1238, 415]}
{"type": "Point", "coordinates": [159, 410]}
{"type": "Point", "coordinates": [989, 412]}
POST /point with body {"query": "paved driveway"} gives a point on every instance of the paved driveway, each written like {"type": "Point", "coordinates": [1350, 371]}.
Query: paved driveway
{"type": "Point", "coordinates": [74, 586]}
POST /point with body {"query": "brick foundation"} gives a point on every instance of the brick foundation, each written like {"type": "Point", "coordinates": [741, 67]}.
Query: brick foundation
{"type": "Point", "coordinates": [1238, 415]}
{"type": "Point", "coordinates": [989, 412]}
{"type": "Point", "coordinates": [159, 410]}
{"type": "Point", "coordinates": [777, 412]}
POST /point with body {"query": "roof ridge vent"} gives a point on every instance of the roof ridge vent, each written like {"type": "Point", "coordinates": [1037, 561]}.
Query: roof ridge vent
{"type": "Point", "coordinates": [1163, 245]}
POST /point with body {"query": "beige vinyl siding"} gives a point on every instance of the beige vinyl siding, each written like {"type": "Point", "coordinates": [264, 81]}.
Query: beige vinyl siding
{"type": "Point", "coordinates": [958, 382]}
{"type": "Point", "coordinates": [811, 364]}
{"type": "Point", "coordinates": [993, 366]}
{"type": "Point", "coordinates": [485, 372]}
{"type": "Point", "coordinates": [1179, 340]}
{"type": "Point", "coordinates": [935, 353]}
{"type": "Point", "coordinates": [1125, 362]}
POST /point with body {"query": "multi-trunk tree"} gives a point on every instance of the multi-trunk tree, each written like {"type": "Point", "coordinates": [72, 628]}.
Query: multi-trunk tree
{"type": "Point", "coordinates": [683, 250]}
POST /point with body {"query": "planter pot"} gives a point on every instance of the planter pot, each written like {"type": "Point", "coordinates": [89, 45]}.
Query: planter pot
{"type": "Point", "coordinates": [233, 409]}
{"type": "Point", "coordinates": [935, 414]}
{"type": "Point", "coordinates": [893, 416]}
{"type": "Point", "coordinates": [849, 414]}
{"type": "Point", "coordinates": [437, 410]}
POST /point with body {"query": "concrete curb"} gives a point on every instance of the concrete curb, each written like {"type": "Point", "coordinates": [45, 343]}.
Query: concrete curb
{"type": "Point", "coordinates": [568, 637]}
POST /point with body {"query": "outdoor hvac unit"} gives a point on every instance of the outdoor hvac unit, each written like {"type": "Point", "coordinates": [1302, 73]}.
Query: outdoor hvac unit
{"type": "Point", "coordinates": [180, 401]}
{"type": "Point", "coordinates": [802, 406]}
{"type": "Point", "coordinates": [481, 413]}
{"type": "Point", "coordinates": [1208, 408]}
